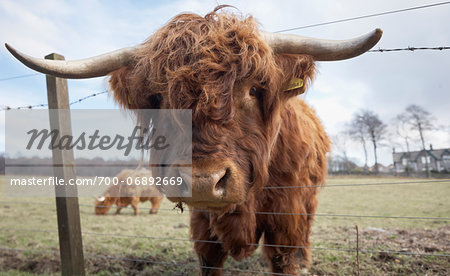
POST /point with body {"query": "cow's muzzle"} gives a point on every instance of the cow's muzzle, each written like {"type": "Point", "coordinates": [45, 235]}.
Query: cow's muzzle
{"type": "Point", "coordinates": [213, 184]}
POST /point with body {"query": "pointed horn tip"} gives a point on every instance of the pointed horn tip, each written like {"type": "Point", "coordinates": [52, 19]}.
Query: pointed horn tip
{"type": "Point", "coordinates": [378, 33]}
{"type": "Point", "coordinates": [375, 36]}
{"type": "Point", "coordinates": [10, 48]}
{"type": "Point", "coordinates": [17, 54]}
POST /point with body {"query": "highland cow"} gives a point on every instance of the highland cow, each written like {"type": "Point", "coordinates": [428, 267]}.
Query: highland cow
{"type": "Point", "coordinates": [123, 195]}
{"type": "Point", "coordinates": [258, 150]}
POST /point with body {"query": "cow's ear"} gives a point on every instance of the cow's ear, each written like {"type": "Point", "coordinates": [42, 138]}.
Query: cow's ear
{"type": "Point", "coordinates": [298, 73]}
{"type": "Point", "coordinates": [119, 84]}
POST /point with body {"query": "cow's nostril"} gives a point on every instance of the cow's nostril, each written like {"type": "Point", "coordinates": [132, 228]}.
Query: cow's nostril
{"type": "Point", "coordinates": [220, 186]}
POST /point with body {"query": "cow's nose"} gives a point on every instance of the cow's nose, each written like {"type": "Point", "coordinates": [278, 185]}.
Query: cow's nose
{"type": "Point", "coordinates": [212, 185]}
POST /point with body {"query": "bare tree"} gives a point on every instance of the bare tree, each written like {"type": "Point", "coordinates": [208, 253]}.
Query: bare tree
{"type": "Point", "coordinates": [340, 164]}
{"type": "Point", "coordinates": [340, 147]}
{"type": "Point", "coordinates": [421, 120]}
{"type": "Point", "coordinates": [400, 124]}
{"type": "Point", "coordinates": [357, 131]}
{"type": "Point", "coordinates": [374, 130]}
{"type": "Point", "coordinates": [400, 130]}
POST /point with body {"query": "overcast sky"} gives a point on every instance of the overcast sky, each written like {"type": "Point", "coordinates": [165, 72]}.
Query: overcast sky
{"type": "Point", "coordinates": [382, 82]}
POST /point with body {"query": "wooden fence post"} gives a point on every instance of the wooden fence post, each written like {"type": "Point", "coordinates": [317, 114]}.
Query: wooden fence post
{"type": "Point", "coordinates": [69, 228]}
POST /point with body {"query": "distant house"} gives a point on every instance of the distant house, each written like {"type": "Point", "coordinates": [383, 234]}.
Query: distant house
{"type": "Point", "coordinates": [381, 169]}
{"type": "Point", "coordinates": [438, 160]}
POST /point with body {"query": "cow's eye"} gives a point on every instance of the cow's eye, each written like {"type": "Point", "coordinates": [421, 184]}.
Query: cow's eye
{"type": "Point", "coordinates": [257, 93]}
{"type": "Point", "coordinates": [253, 91]}
{"type": "Point", "coordinates": [155, 100]}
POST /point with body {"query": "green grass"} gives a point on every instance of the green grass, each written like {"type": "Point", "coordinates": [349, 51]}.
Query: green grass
{"type": "Point", "coordinates": [413, 200]}
{"type": "Point", "coordinates": [21, 217]}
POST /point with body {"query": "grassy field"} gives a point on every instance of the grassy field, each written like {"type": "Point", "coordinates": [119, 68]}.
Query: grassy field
{"type": "Point", "coordinates": [30, 224]}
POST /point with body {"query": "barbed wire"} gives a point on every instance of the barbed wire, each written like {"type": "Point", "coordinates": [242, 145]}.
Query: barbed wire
{"type": "Point", "coordinates": [256, 212]}
{"type": "Point", "coordinates": [445, 254]}
{"type": "Point", "coordinates": [363, 16]}
{"type": "Point", "coordinates": [411, 49]}
{"type": "Point", "coordinates": [89, 96]}
{"type": "Point", "coordinates": [23, 107]}
{"type": "Point", "coordinates": [44, 105]}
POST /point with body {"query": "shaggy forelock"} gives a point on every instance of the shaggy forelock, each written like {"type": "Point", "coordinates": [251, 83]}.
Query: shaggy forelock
{"type": "Point", "coordinates": [196, 61]}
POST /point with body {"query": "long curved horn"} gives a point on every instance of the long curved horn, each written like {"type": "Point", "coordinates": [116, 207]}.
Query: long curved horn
{"type": "Point", "coordinates": [321, 49]}
{"type": "Point", "coordinates": [78, 69]}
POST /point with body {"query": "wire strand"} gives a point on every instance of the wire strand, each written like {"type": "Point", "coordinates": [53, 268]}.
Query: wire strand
{"type": "Point", "coordinates": [359, 184]}
{"type": "Point", "coordinates": [256, 212]}
{"type": "Point", "coordinates": [445, 254]}
{"type": "Point", "coordinates": [19, 77]}
{"type": "Point", "coordinates": [363, 16]}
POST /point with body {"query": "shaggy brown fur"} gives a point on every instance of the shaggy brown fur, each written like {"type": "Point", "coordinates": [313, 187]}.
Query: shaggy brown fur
{"type": "Point", "coordinates": [243, 118]}
{"type": "Point", "coordinates": [124, 195]}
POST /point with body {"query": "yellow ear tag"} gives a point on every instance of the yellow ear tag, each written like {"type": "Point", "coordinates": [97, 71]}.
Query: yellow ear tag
{"type": "Point", "coordinates": [295, 84]}
{"type": "Point", "coordinates": [129, 100]}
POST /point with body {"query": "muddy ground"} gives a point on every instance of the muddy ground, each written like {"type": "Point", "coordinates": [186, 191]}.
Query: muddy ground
{"type": "Point", "coordinates": [421, 241]}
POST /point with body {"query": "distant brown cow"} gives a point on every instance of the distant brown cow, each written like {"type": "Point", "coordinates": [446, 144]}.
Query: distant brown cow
{"type": "Point", "coordinates": [258, 150]}
{"type": "Point", "coordinates": [131, 194]}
